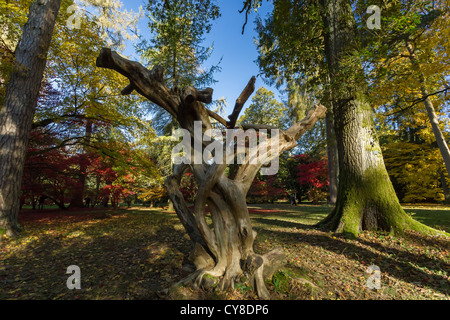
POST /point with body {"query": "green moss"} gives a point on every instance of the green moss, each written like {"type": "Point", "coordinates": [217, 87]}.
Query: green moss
{"type": "Point", "coordinates": [280, 282]}
{"type": "Point", "coordinates": [373, 191]}
{"type": "Point", "coordinates": [208, 276]}
{"type": "Point", "coordinates": [242, 287]}
{"type": "Point", "coordinates": [209, 281]}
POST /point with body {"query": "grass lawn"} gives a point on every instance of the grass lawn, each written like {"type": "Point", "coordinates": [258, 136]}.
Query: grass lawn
{"type": "Point", "coordinates": [136, 253]}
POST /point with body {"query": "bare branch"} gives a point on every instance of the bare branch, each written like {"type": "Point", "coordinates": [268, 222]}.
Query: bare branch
{"type": "Point", "coordinates": [148, 83]}
{"type": "Point", "coordinates": [417, 101]}
{"type": "Point", "coordinates": [215, 116]}
{"type": "Point", "coordinates": [287, 140]}
{"type": "Point", "coordinates": [245, 95]}
{"type": "Point", "coordinates": [172, 184]}
{"type": "Point", "coordinates": [191, 94]}
{"type": "Point", "coordinates": [247, 126]}
{"type": "Point", "coordinates": [299, 129]}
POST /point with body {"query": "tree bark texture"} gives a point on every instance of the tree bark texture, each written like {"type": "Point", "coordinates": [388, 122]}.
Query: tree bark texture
{"type": "Point", "coordinates": [17, 112]}
{"type": "Point", "coordinates": [333, 164]}
{"type": "Point", "coordinates": [223, 248]}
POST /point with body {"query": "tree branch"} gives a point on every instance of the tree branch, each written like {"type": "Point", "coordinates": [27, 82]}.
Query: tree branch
{"type": "Point", "coordinates": [148, 83]}
{"type": "Point", "coordinates": [247, 126]}
{"type": "Point", "coordinates": [245, 95]}
{"type": "Point", "coordinates": [287, 140]}
{"type": "Point", "coordinates": [191, 94]}
{"type": "Point", "coordinates": [215, 116]}
{"type": "Point", "coordinates": [299, 129]}
{"type": "Point", "coordinates": [417, 101]}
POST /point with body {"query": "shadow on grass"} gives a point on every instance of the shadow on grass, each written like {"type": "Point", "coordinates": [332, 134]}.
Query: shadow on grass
{"type": "Point", "coordinates": [434, 218]}
{"type": "Point", "coordinates": [115, 263]}
{"type": "Point", "coordinates": [285, 224]}
{"type": "Point", "coordinates": [402, 265]}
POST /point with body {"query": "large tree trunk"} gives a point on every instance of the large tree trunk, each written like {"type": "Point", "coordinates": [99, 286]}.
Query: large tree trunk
{"type": "Point", "coordinates": [16, 115]}
{"type": "Point", "coordinates": [366, 198]}
{"type": "Point", "coordinates": [222, 251]}
{"type": "Point", "coordinates": [333, 164]}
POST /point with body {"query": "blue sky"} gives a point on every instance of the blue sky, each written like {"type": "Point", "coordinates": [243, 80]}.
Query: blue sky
{"type": "Point", "coordinates": [238, 52]}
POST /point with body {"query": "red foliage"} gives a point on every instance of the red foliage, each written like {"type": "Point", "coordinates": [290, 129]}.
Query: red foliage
{"type": "Point", "coordinates": [50, 174]}
{"type": "Point", "coordinates": [189, 187]}
{"type": "Point", "coordinates": [314, 175]}
{"type": "Point", "coordinates": [56, 175]}
{"type": "Point", "coordinates": [268, 190]}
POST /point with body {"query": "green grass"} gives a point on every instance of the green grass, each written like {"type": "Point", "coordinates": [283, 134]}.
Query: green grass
{"type": "Point", "coordinates": [135, 253]}
{"type": "Point", "coordinates": [436, 216]}
{"type": "Point", "coordinates": [433, 215]}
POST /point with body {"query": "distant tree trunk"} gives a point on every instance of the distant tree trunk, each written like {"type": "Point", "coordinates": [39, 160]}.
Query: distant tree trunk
{"type": "Point", "coordinates": [445, 188]}
{"type": "Point", "coordinates": [77, 200]}
{"type": "Point", "coordinates": [60, 203]}
{"type": "Point", "coordinates": [17, 112]}
{"type": "Point", "coordinates": [34, 201]}
{"type": "Point", "coordinates": [366, 198]}
{"type": "Point", "coordinates": [434, 120]}
{"type": "Point", "coordinates": [222, 252]}
{"type": "Point", "coordinates": [97, 192]}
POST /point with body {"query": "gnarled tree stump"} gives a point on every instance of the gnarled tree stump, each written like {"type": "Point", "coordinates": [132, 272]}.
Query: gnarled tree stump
{"type": "Point", "coordinates": [223, 250]}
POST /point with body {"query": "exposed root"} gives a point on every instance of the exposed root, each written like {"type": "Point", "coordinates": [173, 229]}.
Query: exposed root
{"type": "Point", "coordinates": [256, 268]}
{"type": "Point", "coordinates": [303, 281]}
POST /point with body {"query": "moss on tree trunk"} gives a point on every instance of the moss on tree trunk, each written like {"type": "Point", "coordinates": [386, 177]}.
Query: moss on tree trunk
{"type": "Point", "coordinates": [366, 199]}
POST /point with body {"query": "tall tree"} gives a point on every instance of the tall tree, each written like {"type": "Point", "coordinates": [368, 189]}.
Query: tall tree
{"type": "Point", "coordinates": [366, 198]}
{"type": "Point", "coordinates": [17, 111]}
{"type": "Point", "coordinates": [88, 104]}
{"type": "Point", "coordinates": [290, 43]}
{"type": "Point", "coordinates": [409, 60]}
{"type": "Point", "coordinates": [178, 29]}
{"type": "Point", "coordinates": [265, 109]}
{"type": "Point", "coordinates": [327, 29]}
{"type": "Point", "coordinates": [24, 82]}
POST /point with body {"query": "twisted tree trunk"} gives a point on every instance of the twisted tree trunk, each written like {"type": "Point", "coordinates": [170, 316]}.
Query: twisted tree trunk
{"type": "Point", "coordinates": [224, 250]}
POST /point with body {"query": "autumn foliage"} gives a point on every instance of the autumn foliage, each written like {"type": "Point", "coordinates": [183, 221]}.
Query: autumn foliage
{"type": "Point", "coordinates": [313, 174]}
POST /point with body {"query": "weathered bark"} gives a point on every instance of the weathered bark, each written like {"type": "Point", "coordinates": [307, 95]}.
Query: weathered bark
{"type": "Point", "coordinates": [16, 114]}
{"type": "Point", "coordinates": [333, 165]}
{"type": "Point", "coordinates": [223, 250]}
{"type": "Point", "coordinates": [366, 198]}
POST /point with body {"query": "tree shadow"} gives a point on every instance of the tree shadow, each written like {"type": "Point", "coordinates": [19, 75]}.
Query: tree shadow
{"type": "Point", "coordinates": [284, 223]}
{"type": "Point", "coordinates": [431, 242]}
{"type": "Point", "coordinates": [113, 265]}
{"type": "Point", "coordinates": [402, 265]}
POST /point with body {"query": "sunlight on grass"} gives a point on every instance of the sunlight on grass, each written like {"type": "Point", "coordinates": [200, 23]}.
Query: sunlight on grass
{"type": "Point", "coordinates": [131, 254]}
